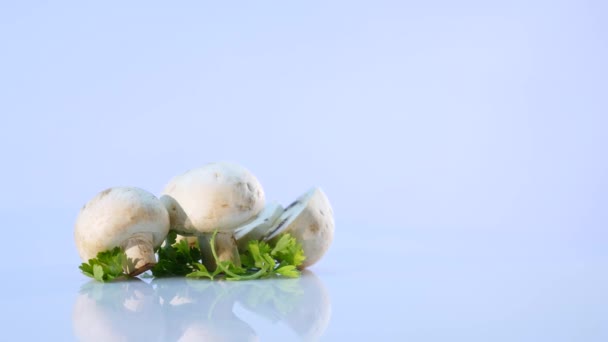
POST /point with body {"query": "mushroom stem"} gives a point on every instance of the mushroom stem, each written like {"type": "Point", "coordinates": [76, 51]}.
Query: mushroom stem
{"type": "Point", "coordinates": [225, 248]}
{"type": "Point", "coordinates": [139, 250]}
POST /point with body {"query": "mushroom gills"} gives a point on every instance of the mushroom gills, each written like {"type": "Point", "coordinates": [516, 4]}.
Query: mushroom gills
{"type": "Point", "coordinates": [260, 226]}
{"type": "Point", "coordinates": [289, 215]}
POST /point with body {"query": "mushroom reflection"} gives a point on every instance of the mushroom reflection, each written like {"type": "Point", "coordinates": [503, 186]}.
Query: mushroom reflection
{"type": "Point", "coordinates": [201, 310]}
{"type": "Point", "coordinates": [310, 318]}
{"type": "Point", "coordinates": [121, 311]}
{"type": "Point", "coordinates": [302, 303]}
{"type": "Point", "coordinates": [179, 309]}
{"type": "Point", "coordinates": [197, 309]}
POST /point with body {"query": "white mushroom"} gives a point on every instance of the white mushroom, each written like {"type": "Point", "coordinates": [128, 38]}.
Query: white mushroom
{"type": "Point", "coordinates": [126, 217]}
{"type": "Point", "coordinates": [310, 219]}
{"type": "Point", "coordinates": [259, 227]}
{"type": "Point", "coordinates": [219, 196]}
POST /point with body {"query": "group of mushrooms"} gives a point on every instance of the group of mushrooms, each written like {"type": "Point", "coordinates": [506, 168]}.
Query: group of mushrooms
{"type": "Point", "coordinates": [223, 197]}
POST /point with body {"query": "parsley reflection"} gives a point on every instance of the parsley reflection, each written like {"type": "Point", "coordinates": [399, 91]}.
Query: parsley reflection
{"type": "Point", "coordinates": [179, 309]}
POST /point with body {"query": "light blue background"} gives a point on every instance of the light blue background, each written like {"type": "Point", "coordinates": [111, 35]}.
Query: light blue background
{"type": "Point", "coordinates": [470, 129]}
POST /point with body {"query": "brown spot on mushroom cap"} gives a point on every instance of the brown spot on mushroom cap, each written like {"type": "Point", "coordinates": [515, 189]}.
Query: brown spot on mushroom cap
{"type": "Point", "coordinates": [248, 198]}
{"type": "Point", "coordinates": [245, 207]}
{"type": "Point", "coordinates": [314, 228]}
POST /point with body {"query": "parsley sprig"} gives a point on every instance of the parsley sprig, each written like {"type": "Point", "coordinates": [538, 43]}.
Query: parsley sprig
{"type": "Point", "coordinates": [259, 260]}
{"type": "Point", "coordinates": [107, 266]}
{"type": "Point", "coordinates": [176, 259]}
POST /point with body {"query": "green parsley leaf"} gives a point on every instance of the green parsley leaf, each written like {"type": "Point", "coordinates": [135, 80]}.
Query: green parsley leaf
{"type": "Point", "coordinates": [263, 259]}
{"type": "Point", "coordinates": [107, 266]}
{"type": "Point", "coordinates": [288, 271]}
{"type": "Point", "coordinates": [260, 260]}
{"type": "Point", "coordinates": [289, 250]}
{"type": "Point", "coordinates": [282, 244]}
{"type": "Point", "coordinates": [200, 273]}
{"type": "Point", "coordinates": [98, 273]}
{"type": "Point", "coordinates": [176, 259]}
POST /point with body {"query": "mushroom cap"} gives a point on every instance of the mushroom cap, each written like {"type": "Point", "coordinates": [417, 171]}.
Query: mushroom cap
{"type": "Point", "coordinates": [310, 219]}
{"type": "Point", "coordinates": [114, 215]}
{"type": "Point", "coordinates": [220, 196]}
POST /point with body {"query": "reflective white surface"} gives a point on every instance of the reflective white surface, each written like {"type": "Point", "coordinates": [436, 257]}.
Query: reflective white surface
{"type": "Point", "coordinates": [423, 286]}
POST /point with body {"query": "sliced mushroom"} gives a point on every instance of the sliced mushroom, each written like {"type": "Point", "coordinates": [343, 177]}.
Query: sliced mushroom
{"type": "Point", "coordinates": [259, 227]}
{"type": "Point", "coordinates": [310, 219]}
